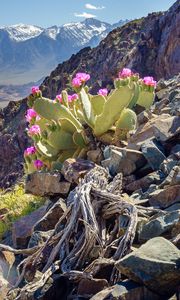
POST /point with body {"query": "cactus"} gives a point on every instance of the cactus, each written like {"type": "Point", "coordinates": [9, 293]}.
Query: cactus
{"type": "Point", "coordinates": [126, 122]}
{"type": "Point", "coordinates": [59, 126]}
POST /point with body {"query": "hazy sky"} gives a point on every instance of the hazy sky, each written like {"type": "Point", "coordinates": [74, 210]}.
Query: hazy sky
{"type": "Point", "coordinates": [46, 13]}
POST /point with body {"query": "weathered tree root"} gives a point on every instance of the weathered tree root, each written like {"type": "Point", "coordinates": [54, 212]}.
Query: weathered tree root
{"type": "Point", "coordinates": [97, 217]}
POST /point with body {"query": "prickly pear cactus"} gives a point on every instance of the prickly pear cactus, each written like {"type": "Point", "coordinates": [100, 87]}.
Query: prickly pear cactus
{"type": "Point", "coordinates": [58, 127]}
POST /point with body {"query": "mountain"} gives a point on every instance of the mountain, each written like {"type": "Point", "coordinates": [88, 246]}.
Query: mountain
{"type": "Point", "coordinates": [148, 45]}
{"type": "Point", "coordinates": [28, 52]}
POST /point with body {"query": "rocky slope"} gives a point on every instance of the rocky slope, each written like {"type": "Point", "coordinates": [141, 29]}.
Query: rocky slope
{"type": "Point", "coordinates": [140, 44]}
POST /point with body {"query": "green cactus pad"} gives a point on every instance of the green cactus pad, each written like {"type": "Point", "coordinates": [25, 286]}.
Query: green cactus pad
{"type": "Point", "coordinates": [145, 99]}
{"type": "Point", "coordinates": [61, 140]}
{"type": "Point", "coordinates": [97, 102]}
{"type": "Point", "coordinates": [87, 108]}
{"type": "Point", "coordinates": [114, 105]}
{"type": "Point", "coordinates": [51, 110]}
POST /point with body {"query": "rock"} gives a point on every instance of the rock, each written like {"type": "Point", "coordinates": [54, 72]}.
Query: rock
{"type": "Point", "coordinates": [173, 178]}
{"type": "Point", "coordinates": [23, 228]}
{"type": "Point", "coordinates": [46, 184]}
{"type": "Point", "coordinates": [153, 154]}
{"type": "Point", "coordinates": [52, 216]}
{"type": "Point", "coordinates": [126, 290]}
{"type": "Point", "coordinates": [156, 264]}
{"type": "Point", "coordinates": [89, 287]}
{"type": "Point", "coordinates": [165, 197]}
{"type": "Point", "coordinates": [162, 127]}
{"type": "Point", "coordinates": [144, 117]}
{"type": "Point", "coordinates": [159, 224]}
{"type": "Point", "coordinates": [171, 161]}
{"type": "Point", "coordinates": [95, 155]}
{"type": "Point", "coordinates": [144, 183]}
{"type": "Point", "coordinates": [102, 268]}
{"type": "Point", "coordinates": [122, 160]}
{"type": "Point", "coordinates": [75, 169]}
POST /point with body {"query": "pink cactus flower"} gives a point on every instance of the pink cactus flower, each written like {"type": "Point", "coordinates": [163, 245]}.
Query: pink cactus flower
{"type": "Point", "coordinates": [34, 130]}
{"type": "Point", "coordinates": [72, 98]}
{"type": "Point", "coordinates": [148, 80]}
{"type": "Point", "coordinates": [76, 82]}
{"type": "Point", "coordinates": [83, 77]}
{"type": "Point", "coordinates": [38, 164]}
{"type": "Point", "coordinates": [125, 73]}
{"type": "Point", "coordinates": [59, 97]}
{"type": "Point", "coordinates": [35, 89]}
{"type": "Point", "coordinates": [30, 150]}
{"type": "Point", "coordinates": [30, 114]}
{"type": "Point", "coordinates": [103, 92]}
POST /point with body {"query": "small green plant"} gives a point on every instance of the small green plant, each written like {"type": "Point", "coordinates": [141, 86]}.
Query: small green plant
{"type": "Point", "coordinates": [15, 204]}
{"type": "Point", "coordinates": [58, 127]}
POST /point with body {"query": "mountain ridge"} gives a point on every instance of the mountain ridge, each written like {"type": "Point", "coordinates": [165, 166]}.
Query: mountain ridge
{"type": "Point", "coordinates": [28, 52]}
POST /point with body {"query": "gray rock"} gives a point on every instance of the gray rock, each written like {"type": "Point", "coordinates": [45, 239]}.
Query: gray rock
{"type": "Point", "coordinates": [145, 182]}
{"type": "Point", "coordinates": [171, 161]}
{"type": "Point", "coordinates": [90, 287]}
{"type": "Point", "coordinates": [165, 197]}
{"type": "Point", "coordinates": [159, 224]}
{"type": "Point", "coordinates": [126, 290]}
{"type": "Point", "coordinates": [46, 184]}
{"type": "Point", "coordinates": [173, 178]}
{"type": "Point", "coordinates": [23, 228]}
{"type": "Point", "coordinates": [52, 216]}
{"type": "Point", "coordinates": [153, 154]}
{"type": "Point", "coordinates": [75, 169]}
{"type": "Point", "coordinates": [156, 264]}
{"type": "Point", "coordinates": [162, 127]}
{"type": "Point", "coordinates": [122, 160]}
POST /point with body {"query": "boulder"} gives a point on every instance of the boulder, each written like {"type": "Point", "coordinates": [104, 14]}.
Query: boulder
{"type": "Point", "coordinates": [162, 127]}
{"type": "Point", "coordinates": [126, 290]}
{"type": "Point", "coordinates": [165, 197]}
{"type": "Point", "coordinates": [155, 264]}
{"type": "Point", "coordinates": [89, 287]}
{"type": "Point", "coordinates": [173, 178]}
{"type": "Point", "coordinates": [75, 169]}
{"type": "Point", "coordinates": [122, 160]}
{"type": "Point", "coordinates": [46, 184]}
{"type": "Point", "coordinates": [153, 154]}
{"type": "Point", "coordinates": [51, 217]}
{"type": "Point", "coordinates": [23, 228]}
{"type": "Point", "coordinates": [159, 224]}
{"type": "Point", "coordinates": [145, 182]}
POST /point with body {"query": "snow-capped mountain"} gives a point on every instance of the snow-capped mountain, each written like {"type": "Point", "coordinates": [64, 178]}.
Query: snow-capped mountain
{"type": "Point", "coordinates": [29, 52]}
{"type": "Point", "coordinates": [22, 32]}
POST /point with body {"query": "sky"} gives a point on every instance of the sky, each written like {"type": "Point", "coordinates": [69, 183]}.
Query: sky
{"type": "Point", "coordinates": [46, 13]}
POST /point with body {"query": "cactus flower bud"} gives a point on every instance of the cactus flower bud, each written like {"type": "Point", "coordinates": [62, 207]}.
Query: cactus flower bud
{"type": "Point", "coordinates": [148, 80]}
{"type": "Point", "coordinates": [103, 92]}
{"type": "Point", "coordinates": [35, 90]}
{"type": "Point", "coordinates": [76, 82]}
{"type": "Point", "coordinates": [30, 150]}
{"type": "Point", "coordinates": [34, 130]}
{"type": "Point", "coordinates": [125, 73]}
{"type": "Point", "coordinates": [38, 164]}
{"type": "Point", "coordinates": [30, 114]}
